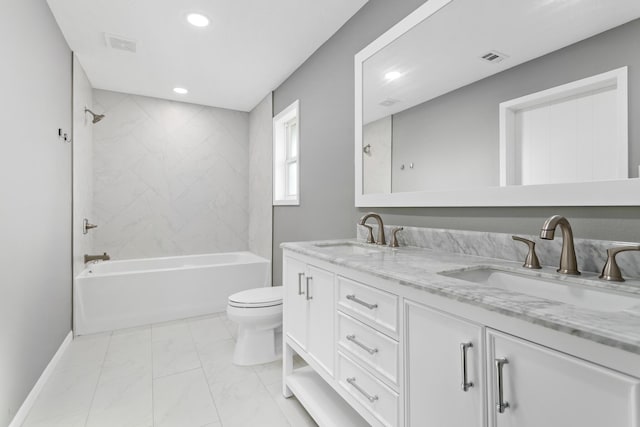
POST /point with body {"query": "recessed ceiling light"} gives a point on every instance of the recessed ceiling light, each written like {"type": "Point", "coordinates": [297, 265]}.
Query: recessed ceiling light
{"type": "Point", "coordinates": [392, 75]}
{"type": "Point", "coordinates": [180, 90]}
{"type": "Point", "coordinates": [197, 20]}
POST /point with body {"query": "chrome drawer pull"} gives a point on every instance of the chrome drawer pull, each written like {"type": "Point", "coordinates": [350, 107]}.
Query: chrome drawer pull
{"type": "Point", "coordinates": [466, 384]}
{"type": "Point", "coordinates": [308, 294]}
{"type": "Point", "coordinates": [370, 398]}
{"type": "Point", "coordinates": [369, 350]}
{"type": "Point", "coordinates": [359, 301]}
{"type": "Point", "coordinates": [501, 405]}
{"type": "Point", "coordinates": [300, 276]}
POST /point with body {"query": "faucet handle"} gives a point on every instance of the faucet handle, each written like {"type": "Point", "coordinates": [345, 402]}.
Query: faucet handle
{"type": "Point", "coordinates": [532, 259]}
{"type": "Point", "coordinates": [370, 237]}
{"type": "Point", "coordinates": [394, 237]}
{"type": "Point", "coordinates": [611, 271]}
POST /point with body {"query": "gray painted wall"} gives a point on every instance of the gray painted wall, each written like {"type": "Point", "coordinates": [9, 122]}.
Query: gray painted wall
{"type": "Point", "coordinates": [325, 86]}
{"type": "Point", "coordinates": [433, 134]}
{"type": "Point", "coordinates": [35, 189]}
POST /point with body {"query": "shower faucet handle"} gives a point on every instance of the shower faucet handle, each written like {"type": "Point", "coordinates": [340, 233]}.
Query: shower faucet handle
{"type": "Point", "coordinates": [86, 226]}
{"type": "Point", "coordinates": [532, 259]}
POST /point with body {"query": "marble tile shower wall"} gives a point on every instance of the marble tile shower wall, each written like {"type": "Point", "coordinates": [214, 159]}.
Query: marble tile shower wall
{"type": "Point", "coordinates": [591, 254]}
{"type": "Point", "coordinates": [260, 178]}
{"type": "Point", "coordinates": [170, 178]}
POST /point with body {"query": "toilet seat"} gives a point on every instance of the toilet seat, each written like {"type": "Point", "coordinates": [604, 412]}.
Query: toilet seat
{"type": "Point", "coordinates": [269, 296]}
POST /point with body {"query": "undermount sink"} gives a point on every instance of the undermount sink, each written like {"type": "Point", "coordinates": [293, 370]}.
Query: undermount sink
{"type": "Point", "coordinates": [556, 290]}
{"type": "Point", "coordinates": [349, 248]}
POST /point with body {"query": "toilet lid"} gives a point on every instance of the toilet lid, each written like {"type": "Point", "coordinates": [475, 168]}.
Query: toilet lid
{"type": "Point", "coordinates": [258, 297]}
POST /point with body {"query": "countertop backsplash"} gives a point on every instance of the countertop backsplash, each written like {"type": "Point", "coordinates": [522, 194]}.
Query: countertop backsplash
{"type": "Point", "coordinates": [591, 254]}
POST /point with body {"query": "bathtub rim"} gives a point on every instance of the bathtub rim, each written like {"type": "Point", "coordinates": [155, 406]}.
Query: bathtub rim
{"type": "Point", "coordinates": [87, 274]}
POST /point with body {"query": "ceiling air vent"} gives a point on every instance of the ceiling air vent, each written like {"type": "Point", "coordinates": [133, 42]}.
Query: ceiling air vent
{"type": "Point", "coordinates": [120, 43]}
{"type": "Point", "coordinates": [494, 57]}
{"type": "Point", "coordinates": [389, 102]}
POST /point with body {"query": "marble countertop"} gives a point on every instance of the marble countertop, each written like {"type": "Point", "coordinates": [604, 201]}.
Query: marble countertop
{"type": "Point", "coordinates": [419, 268]}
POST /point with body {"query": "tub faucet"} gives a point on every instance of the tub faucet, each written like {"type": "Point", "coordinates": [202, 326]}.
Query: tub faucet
{"type": "Point", "coordinates": [103, 257]}
{"type": "Point", "coordinates": [568, 262]}
{"type": "Point", "coordinates": [381, 240]}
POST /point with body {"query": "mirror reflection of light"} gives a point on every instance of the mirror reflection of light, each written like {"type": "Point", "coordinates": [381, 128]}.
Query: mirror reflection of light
{"type": "Point", "coordinates": [392, 75]}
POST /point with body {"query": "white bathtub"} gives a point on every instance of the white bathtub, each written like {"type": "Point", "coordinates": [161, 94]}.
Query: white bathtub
{"type": "Point", "coordinates": [122, 294]}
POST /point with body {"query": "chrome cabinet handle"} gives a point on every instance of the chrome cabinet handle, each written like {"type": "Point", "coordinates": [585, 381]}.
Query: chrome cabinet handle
{"type": "Point", "coordinates": [308, 294]}
{"type": "Point", "coordinates": [466, 384]}
{"type": "Point", "coordinates": [369, 350]}
{"type": "Point", "coordinates": [300, 275]}
{"type": "Point", "coordinates": [369, 397]}
{"type": "Point", "coordinates": [501, 405]}
{"type": "Point", "coordinates": [359, 301]}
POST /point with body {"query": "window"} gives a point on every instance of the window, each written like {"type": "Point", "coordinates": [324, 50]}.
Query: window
{"type": "Point", "coordinates": [286, 156]}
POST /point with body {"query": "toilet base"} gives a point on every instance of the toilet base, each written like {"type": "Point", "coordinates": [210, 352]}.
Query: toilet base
{"type": "Point", "coordinates": [257, 346]}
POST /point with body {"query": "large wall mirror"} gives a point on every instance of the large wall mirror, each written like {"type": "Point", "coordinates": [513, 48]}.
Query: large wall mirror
{"type": "Point", "coordinates": [501, 103]}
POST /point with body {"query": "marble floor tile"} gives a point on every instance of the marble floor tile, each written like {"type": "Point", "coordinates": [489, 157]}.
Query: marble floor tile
{"type": "Point", "coordinates": [247, 402]}
{"type": "Point", "coordinates": [208, 330]}
{"type": "Point", "coordinates": [183, 400]}
{"type": "Point", "coordinates": [269, 373]}
{"type": "Point", "coordinates": [66, 398]}
{"type": "Point", "coordinates": [128, 353]}
{"type": "Point", "coordinates": [232, 327]}
{"type": "Point", "coordinates": [171, 374]}
{"type": "Point", "coordinates": [173, 350]}
{"type": "Point", "coordinates": [123, 401]}
{"type": "Point", "coordinates": [216, 362]}
{"type": "Point", "coordinates": [86, 350]}
{"type": "Point", "coordinates": [293, 411]}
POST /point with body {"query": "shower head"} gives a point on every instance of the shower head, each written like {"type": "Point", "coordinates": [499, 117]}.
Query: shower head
{"type": "Point", "coordinates": [96, 117]}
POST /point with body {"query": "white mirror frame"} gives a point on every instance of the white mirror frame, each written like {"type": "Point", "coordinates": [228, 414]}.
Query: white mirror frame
{"type": "Point", "coordinates": [601, 193]}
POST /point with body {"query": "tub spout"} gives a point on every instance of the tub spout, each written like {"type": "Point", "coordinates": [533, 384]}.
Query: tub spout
{"type": "Point", "coordinates": [103, 257]}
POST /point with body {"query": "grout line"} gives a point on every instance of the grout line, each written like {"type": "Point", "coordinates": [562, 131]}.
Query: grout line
{"type": "Point", "coordinates": [213, 400]}
{"type": "Point", "coordinates": [177, 373]}
{"type": "Point", "coordinates": [95, 390]}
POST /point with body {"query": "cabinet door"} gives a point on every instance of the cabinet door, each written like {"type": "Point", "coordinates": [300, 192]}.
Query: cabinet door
{"type": "Point", "coordinates": [543, 387]}
{"type": "Point", "coordinates": [438, 353]}
{"type": "Point", "coordinates": [295, 303]}
{"type": "Point", "coordinates": [321, 297]}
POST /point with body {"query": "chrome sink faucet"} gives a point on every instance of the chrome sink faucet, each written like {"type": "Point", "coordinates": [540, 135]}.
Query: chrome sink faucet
{"type": "Point", "coordinates": [568, 262]}
{"type": "Point", "coordinates": [381, 240]}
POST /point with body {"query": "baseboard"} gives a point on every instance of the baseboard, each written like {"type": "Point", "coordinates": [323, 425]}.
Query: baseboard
{"type": "Point", "coordinates": [26, 406]}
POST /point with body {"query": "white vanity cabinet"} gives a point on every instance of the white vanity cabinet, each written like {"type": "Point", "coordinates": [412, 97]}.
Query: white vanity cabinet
{"type": "Point", "coordinates": [543, 387]}
{"type": "Point", "coordinates": [388, 355]}
{"type": "Point", "coordinates": [309, 316]}
{"type": "Point", "coordinates": [444, 369]}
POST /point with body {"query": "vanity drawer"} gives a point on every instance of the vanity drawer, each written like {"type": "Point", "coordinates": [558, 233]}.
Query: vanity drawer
{"type": "Point", "coordinates": [376, 350]}
{"type": "Point", "coordinates": [376, 397]}
{"type": "Point", "coordinates": [372, 306]}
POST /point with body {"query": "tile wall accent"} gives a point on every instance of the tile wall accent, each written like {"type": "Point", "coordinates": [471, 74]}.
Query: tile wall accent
{"type": "Point", "coordinates": [591, 254]}
{"type": "Point", "coordinates": [170, 178]}
{"type": "Point", "coordinates": [82, 166]}
{"type": "Point", "coordinates": [260, 178]}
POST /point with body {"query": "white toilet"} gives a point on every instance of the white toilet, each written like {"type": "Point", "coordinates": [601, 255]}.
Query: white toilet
{"type": "Point", "coordinates": [258, 313]}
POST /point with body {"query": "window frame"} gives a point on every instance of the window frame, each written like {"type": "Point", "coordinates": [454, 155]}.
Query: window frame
{"type": "Point", "coordinates": [282, 158]}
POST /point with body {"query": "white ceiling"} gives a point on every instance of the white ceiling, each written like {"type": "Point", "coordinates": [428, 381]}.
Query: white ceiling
{"type": "Point", "coordinates": [443, 52]}
{"type": "Point", "coordinates": [250, 47]}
